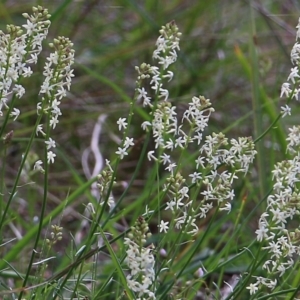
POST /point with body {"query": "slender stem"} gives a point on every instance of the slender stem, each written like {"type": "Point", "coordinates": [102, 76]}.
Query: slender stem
{"type": "Point", "coordinates": [257, 108]}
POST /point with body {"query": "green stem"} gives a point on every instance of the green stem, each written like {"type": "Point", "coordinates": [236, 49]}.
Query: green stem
{"type": "Point", "coordinates": [256, 102]}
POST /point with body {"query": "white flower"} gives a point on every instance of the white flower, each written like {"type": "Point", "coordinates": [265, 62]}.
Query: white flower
{"type": "Point", "coordinates": [38, 166]}
{"type": "Point", "coordinates": [198, 137]}
{"type": "Point", "coordinates": [39, 128]}
{"type": "Point", "coordinates": [54, 121]}
{"type": "Point", "coordinates": [53, 58]}
{"type": "Point", "coordinates": [227, 207]}
{"type": "Point", "coordinates": [145, 125]}
{"type": "Point", "coordinates": [170, 205]}
{"type": "Point", "coordinates": [285, 110]}
{"type": "Point", "coordinates": [252, 288]}
{"type": "Point", "coordinates": [50, 157]}
{"type": "Point", "coordinates": [281, 269]}
{"type": "Point", "coordinates": [33, 59]}
{"type": "Point", "coordinates": [164, 93]}
{"type": "Point", "coordinates": [200, 162]}
{"type": "Point", "coordinates": [26, 72]}
{"type": "Point", "coordinates": [151, 156]}
{"type": "Point", "coordinates": [295, 53]}
{"type": "Point", "coordinates": [184, 192]}
{"type": "Point", "coordinates": [170, 167]}
{"type": "Point", "coordinates": [155, 82]}
{"type": "Point", "coordinates": [294, 74]}
{"type": "Point", "coordinates": [50, 144]}
{"type": "Point", "coordinates": [165, 158]}
{"type": "Point", "coordinates": [15, 113]}
{"type": "Point", "coordinates": [122, 123]}
{"type": "Point", "coordinates": [285, 90]}
{"type": "Point", "coordinates": [169, 75]}
{"type": "Point", "coordinates": [19, 90]}
{"type": "Point", "coordinates": [122, 152]}
{"type": "Point", "coordinates": [55, 104]}
{"type": "Point", "coordinates": [142, 95]}
{"type": "Point", "coordinates": [56, 111]}
{"type": "Point", "coordinates": [163, 226]}
{"type": "Point", "coordinates": [39, 107]}
{"type": "Point", "coordinates": [128, 142]}
{"type": "Point", "coordinates": [46, 87]}
{"type": "Point", "coordinates": [169, 145]}
{"type": "Point", "coordinates": [180, 141]}
{"type": "Point", "coordinates": [195, 177]}
{"type": "Point", "coordinates": [30, 27]}
{"type": "Point", "coordinates": [230, 195]}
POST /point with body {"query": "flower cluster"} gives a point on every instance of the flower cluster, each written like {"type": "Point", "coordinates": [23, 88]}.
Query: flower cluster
{"type": "Point", "coordinates": [275, 228]}
{"type": "Point", "coordinates": [165, 52]}
{"type": "Point", "coordinates": [217, 186]}
{"type": "Point", "coordinates": [172, 135]}
{"type": "Point", "coordinates": [58, 75]}
{"type": "Point", "coordinates": [17, 51]}
{"type": "Point", "coordinates": [167, 44]}
{"type": "Point", "coordinates": [189, 198]}
{"type": "Point", "coordinates": [294, 77]}
{"type": "Point", "coordinates": [239, 157]}
{"type": "Point", "coordinates": [140, 261]}
{"type": "Point", "coordinates": [283, 205]}
{"type": "Point", "coordinates": [55, 235]}
{"type": "Point", "coordinates": [104, 180]}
